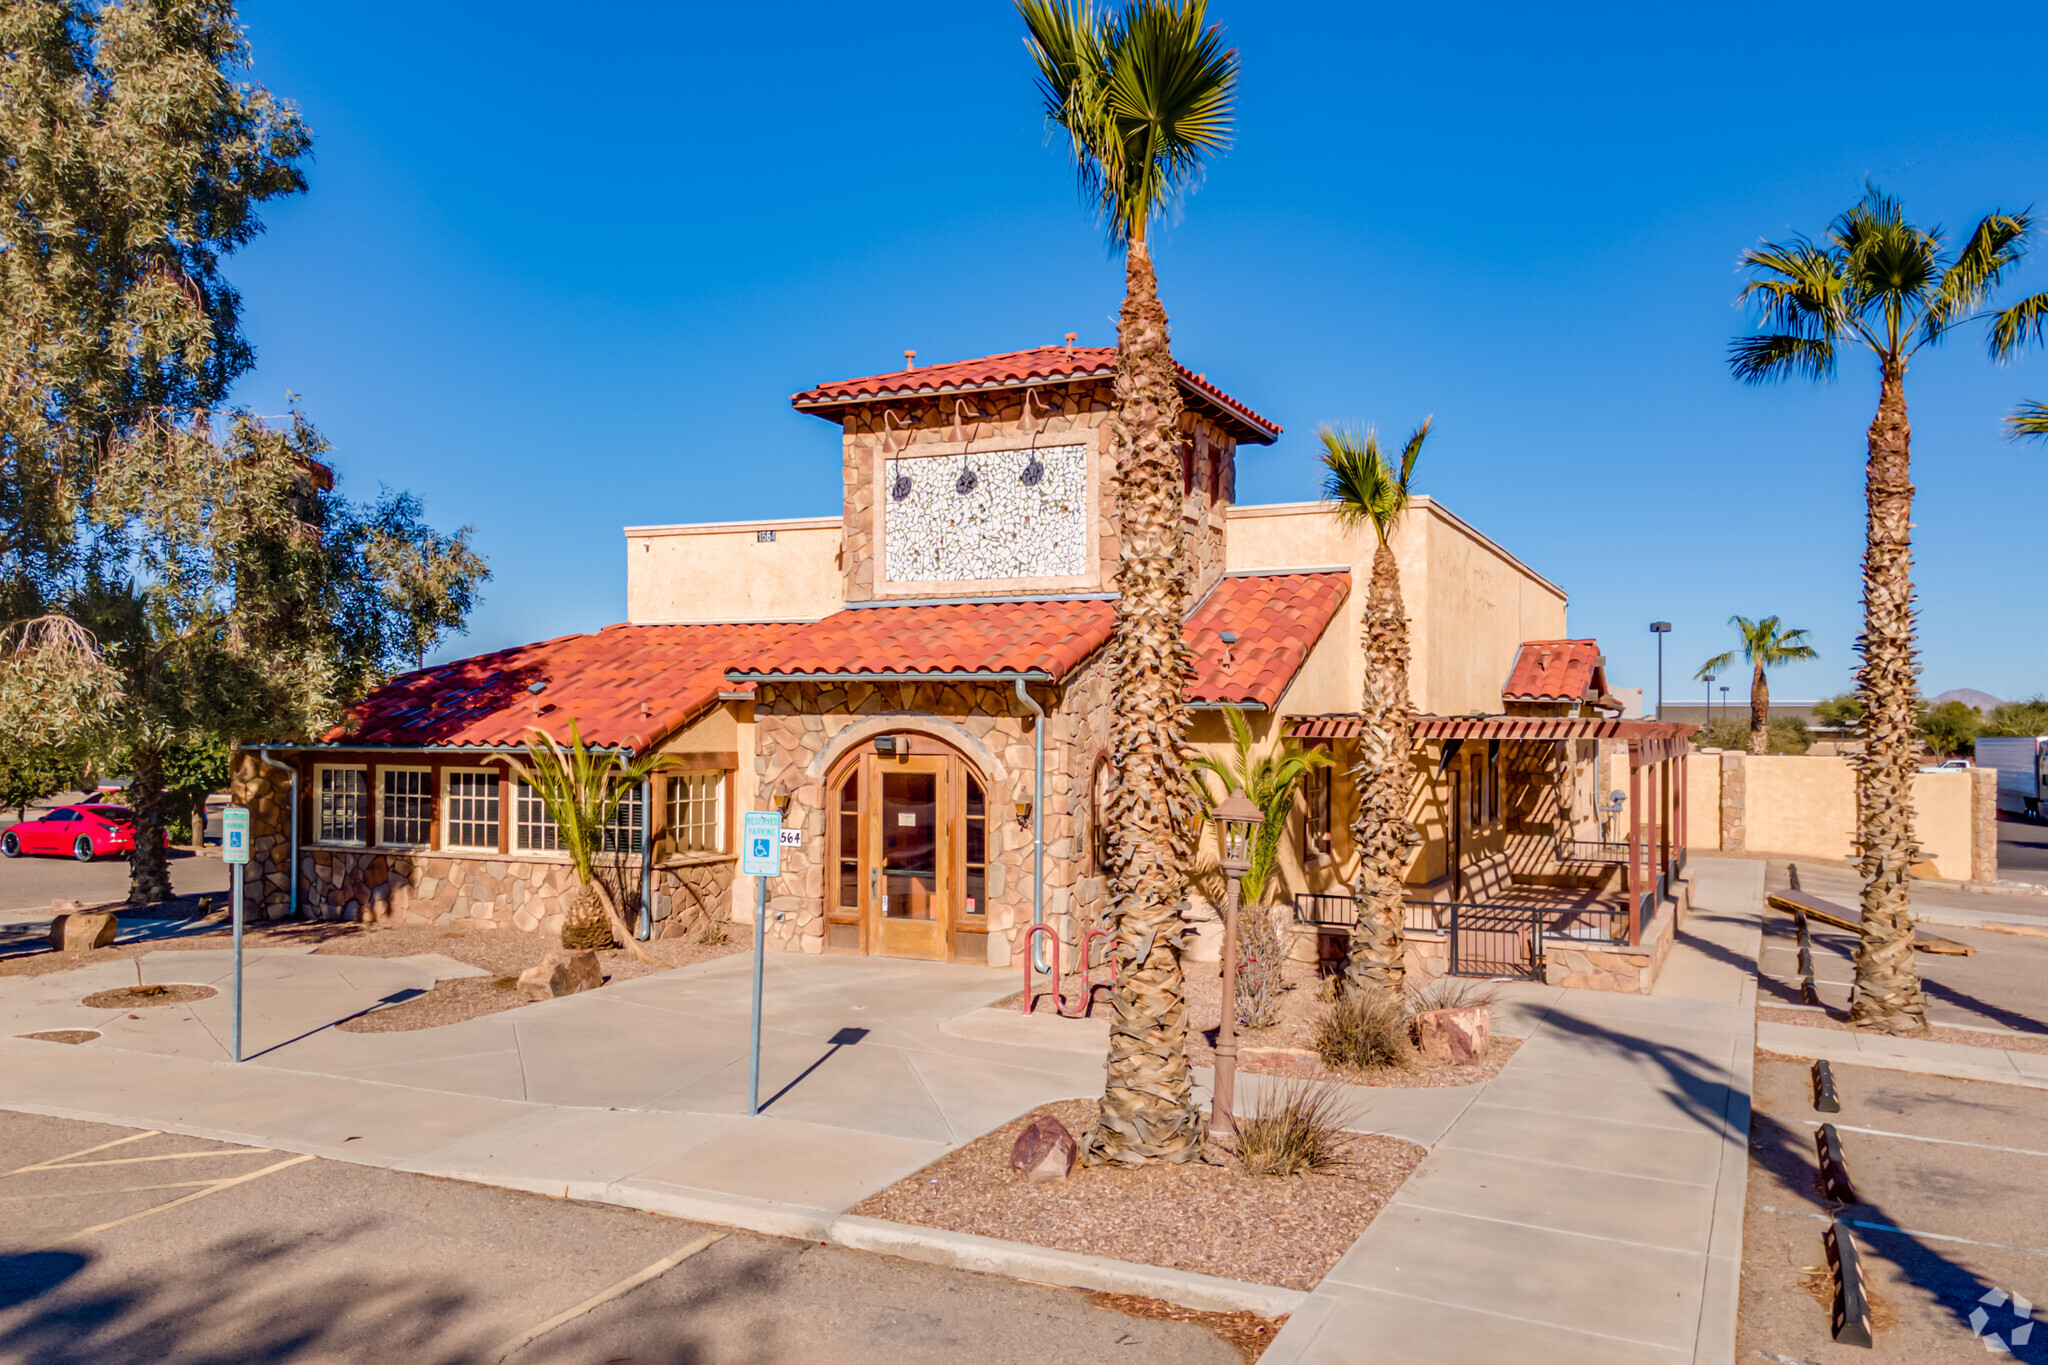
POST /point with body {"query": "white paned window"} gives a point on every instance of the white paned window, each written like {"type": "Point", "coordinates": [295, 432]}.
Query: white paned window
{"type": "Point", "coordinates": [344, 795]}
{"type": "Point", "coordinates": [622, 831]}
{"type": "Point", "coordinates": [405, 807]}
{"type": "Point", "coordinates": [696, 812]}
{"type": "Point", "coordinates": [533, 829]}
{"type": "Point", "coordinates": [472, 811]}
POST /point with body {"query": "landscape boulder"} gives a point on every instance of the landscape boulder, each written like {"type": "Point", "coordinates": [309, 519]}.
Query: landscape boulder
{"type": "Point", "coordinates": [1045, 1150]}
{"type": "Point", "coordinates": [561, 972]}
{"type": "Point", "coordinates": [77, 931]}
{"type": "Point", "coordinates": [1458, 1036]}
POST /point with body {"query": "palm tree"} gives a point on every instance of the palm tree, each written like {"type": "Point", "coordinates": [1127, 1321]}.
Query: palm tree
{"type": "Point", "coordinates": [1364, 488]}
{"type": "Point", "coordinates": [1143, 93]}
{"type": "Point", "coordinates": [1268, 781]}
{"type": "Point", "coordinates": [1882, 283]}
{"type": "Point", "coordinates": [1765, 644]}
{"type": "Point", "coordinates": [582, 789]}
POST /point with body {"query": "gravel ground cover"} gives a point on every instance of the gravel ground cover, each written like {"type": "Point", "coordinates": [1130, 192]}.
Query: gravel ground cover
{"type": "Point", "coordinates": [1210, 1219]}
{"type": "Point", "coordinates": [449, 1002]}
{"type": "Point", "coordinates": [1969, 1037]}
{"type": "Point", "coordinates": [141, 997]}
{"type": "Point", "coordinates": [1300, 1004]}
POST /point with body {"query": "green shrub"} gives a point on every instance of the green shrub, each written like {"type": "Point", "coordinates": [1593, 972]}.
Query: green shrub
{"type": "Point", "coordinates": [1260, 957]}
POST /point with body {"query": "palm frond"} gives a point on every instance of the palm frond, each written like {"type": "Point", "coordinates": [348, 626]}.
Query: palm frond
{"type": "Point", "coordinates": [1361, 484]}
{"type": "Point", "coordinates": [1996, 245]}
{"type": "Point", "coordinates": [1145, 94]}
{"type": "Point", "coordinates": [2014, 328]}
{"type": "Point", "coordinates": [581, 788]}
{"type": "Point", "coordinates": [1774, 356]}
{"type": "Point", "coordinates": [1714, 665]}
{"type": "Point", "coordinates": [2027, 420]}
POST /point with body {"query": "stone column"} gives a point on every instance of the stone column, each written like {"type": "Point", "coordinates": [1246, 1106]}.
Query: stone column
{"type": "Point", "coordinates": [1983, 824]}
{"type": "Point", "coordinates": [1733, 788]}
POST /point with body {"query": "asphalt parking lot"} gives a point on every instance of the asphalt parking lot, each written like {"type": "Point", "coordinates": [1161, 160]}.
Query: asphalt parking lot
{"type": "Point", "coordinates": [1951, 1179]}
{"type": "Point", "coordinates": [127, 1248]}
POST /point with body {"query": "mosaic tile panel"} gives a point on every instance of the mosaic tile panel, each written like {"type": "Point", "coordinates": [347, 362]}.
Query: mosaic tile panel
{"type": "Point", "coordinates": [951, 518]}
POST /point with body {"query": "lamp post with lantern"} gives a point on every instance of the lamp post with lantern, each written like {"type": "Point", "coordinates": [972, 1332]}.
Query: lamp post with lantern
{"type": "Point", "coordinates": [1237, 823]}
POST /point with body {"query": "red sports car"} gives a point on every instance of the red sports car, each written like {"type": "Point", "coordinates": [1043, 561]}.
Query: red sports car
{"type": "Point", "coordinates": [83, 832]}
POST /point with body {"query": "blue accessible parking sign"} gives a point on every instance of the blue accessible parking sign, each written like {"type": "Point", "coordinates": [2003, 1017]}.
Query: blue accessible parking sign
{"type": "Point", "coordinates": [761, 843]}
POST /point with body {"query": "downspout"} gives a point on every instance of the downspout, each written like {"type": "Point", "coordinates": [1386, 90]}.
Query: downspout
{"type": "Point", "coordinates": [646, 860]}
{"type": "Point", "coordinates": [1038, 957]}
{"type": "Point", "coordinates": [292, 824]}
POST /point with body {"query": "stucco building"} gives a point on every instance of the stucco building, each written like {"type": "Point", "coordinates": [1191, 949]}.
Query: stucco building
{"type": "Point", "coordinates": [920, 684]}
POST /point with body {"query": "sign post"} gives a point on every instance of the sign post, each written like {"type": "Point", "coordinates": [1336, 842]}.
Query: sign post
{"type": "Point", "coordinates": [234, 851]}
{"type": "Point", "coordinates": [761, 836]}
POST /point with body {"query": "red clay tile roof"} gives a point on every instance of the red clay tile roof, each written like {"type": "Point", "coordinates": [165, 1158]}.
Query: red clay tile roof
{"type": "Point", "coordinates": [1016, 369]}
{"type": "Point", "coordinates": [1556, 670]}
{"type": "Point", "coordinates": [999, 637]}
{"type": "Point", "coordinates": [600, 679]}
{"type": "Point", "coordinates": [1277, 618]}
{"type": "Point", "coordinates": [603, 679]}
{"type": "Point", "coordinates": [1349, 726]}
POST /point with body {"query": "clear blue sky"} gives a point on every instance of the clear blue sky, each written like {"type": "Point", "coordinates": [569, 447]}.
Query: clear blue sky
{"type": "Point", "coordinates": [560, 270]}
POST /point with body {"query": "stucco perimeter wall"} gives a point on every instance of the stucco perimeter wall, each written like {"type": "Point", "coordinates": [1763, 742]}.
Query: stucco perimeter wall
{"type": "Point", "coordinates": [724, 571]}
{"type": "Point", "coordinates": [1469, 601]}
{"type": "Point", "coordinates": [1805, 806]}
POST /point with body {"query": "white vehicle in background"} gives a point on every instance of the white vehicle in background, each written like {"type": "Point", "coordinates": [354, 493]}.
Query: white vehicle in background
{"type": "Point", "coordinates": [2022, 765]}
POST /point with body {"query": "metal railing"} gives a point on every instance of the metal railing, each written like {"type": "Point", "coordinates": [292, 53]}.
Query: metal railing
{"type": "Point", "coordinates": [1592, 851]}
{"type": "Point", "coordinates": [1484, 938]}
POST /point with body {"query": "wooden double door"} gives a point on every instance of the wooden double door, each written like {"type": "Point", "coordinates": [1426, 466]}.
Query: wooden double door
{"type": "Point", "coordinates": [909, 856]}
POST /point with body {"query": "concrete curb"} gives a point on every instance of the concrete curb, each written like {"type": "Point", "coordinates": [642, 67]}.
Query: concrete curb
{"type": "Point", "coordinates": [1801, 1045]}
{"type": "Point", "coordinates": [1072, 1270]}
{"type": "Point", "coordinates": [959, 1250]}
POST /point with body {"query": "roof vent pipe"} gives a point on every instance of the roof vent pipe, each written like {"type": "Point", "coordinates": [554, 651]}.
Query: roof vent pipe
{"type": "Point", "coordinates": [910, 360]}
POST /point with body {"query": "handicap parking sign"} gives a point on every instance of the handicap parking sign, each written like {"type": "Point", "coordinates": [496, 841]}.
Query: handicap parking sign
{"type": "Point", "coordinates": [761, 843]}
{"type": "Point", "coordinates": [234, 835]}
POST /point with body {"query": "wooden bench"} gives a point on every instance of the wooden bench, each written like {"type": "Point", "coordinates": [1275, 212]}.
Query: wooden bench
{"type": "Point", "coordinates": [1796, 902]}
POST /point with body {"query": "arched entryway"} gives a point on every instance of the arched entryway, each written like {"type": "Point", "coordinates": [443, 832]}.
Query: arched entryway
{"type": "Point", "coordinates": [908, 832]}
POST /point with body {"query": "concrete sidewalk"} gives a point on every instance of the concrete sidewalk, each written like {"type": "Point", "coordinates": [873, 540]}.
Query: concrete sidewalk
{"type": "Point", "coordinates": [1587, 1206]}
{"type": "Point", "coordinates": [1962, 1061]}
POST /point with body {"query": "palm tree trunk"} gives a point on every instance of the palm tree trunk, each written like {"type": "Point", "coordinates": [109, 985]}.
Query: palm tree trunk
{"type": "Point", "coordinates": [1759, 712]}
{"type": "Point", "coordinates": [1148, 1101]}
{"type": "Point", "coordinates": [149, 869]}
{"type": "Point", "coordinates": [1887, 993]}
{"type": "Point", "coordinates": [1383, 774]}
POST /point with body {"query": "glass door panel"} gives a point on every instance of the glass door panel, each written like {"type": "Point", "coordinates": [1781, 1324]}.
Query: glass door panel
{"type": "Point", "coordinates": [910, 845]}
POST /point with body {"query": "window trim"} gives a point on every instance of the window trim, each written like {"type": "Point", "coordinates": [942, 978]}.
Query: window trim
{"type": "Point", "coordinates": [432, 821]}
{"type": "Point", "coordinates": [720, 819]}
{"type": "Point", "coordinates": [445, 813]}
{"type": "Point", "coordinates": [547, 820]}
{"type": "Point", "coordinates": [365, 816]}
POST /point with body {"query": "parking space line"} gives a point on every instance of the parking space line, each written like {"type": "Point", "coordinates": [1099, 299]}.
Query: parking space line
{"type": "Point", "coordinates": [1946, 1142]}
{"type": "Point", "coordinates": [1903, 1232]}
{"type": "Point", "coordinates": [215, 1188]}
{"type": "Point", "coordinates": [138, 1160]}
{"type": "Point", "coordinates": [117, 1142]}
{"type": "Point", "coordinates": [84, 1194]}
{"type": "Point", "coordinates": [602, 1297]}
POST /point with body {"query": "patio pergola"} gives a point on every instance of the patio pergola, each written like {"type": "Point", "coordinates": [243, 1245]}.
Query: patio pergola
{"type": "Point", "coordinates": [1653, 852]}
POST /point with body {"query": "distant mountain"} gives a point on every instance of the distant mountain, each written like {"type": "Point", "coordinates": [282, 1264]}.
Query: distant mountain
{"type": "Point", "coordinates": [1968, 696]}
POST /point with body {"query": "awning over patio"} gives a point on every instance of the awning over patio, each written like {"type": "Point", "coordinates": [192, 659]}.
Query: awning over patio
{"type": "Point", "coordinates": [1651, 740]}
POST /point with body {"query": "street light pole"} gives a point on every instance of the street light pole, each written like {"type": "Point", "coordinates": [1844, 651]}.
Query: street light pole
{"type": "Point", "coordinates": [1710, 697]}
{"type": "Point", "coordinates": [1236, 818]}
{"type": "Point", "coordinates": [1660, 629]}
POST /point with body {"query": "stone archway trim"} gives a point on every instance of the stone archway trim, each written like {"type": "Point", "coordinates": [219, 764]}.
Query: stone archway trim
{"type": "Point", "coordinates": [945, 731]}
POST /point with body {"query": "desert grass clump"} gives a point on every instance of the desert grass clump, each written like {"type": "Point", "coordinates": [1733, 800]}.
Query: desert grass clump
{"type": "Point", "coordinates": [1260, 958]}
{"type": "Point", "coordinates": [1446, 993]}
{"type": "Point", "coordinates": [1366, 1029]}
{"type": "Point", "coordinates": [1297, 1126]}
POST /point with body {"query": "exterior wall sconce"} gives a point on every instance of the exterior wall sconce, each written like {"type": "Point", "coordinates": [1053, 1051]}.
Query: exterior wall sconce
{"type": "Point", "coordinates": [1023, 813]}
{"type": "Point", "coordinates": [886, 746]}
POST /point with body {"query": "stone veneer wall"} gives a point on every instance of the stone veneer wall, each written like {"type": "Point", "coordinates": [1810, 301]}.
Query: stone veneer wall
{"type": "Point", "coordinates": [455, 890]}
{"type": "Point", "coordinates": [802, 729]}
{"type": "Point", "coordinates": [1000, 528]}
